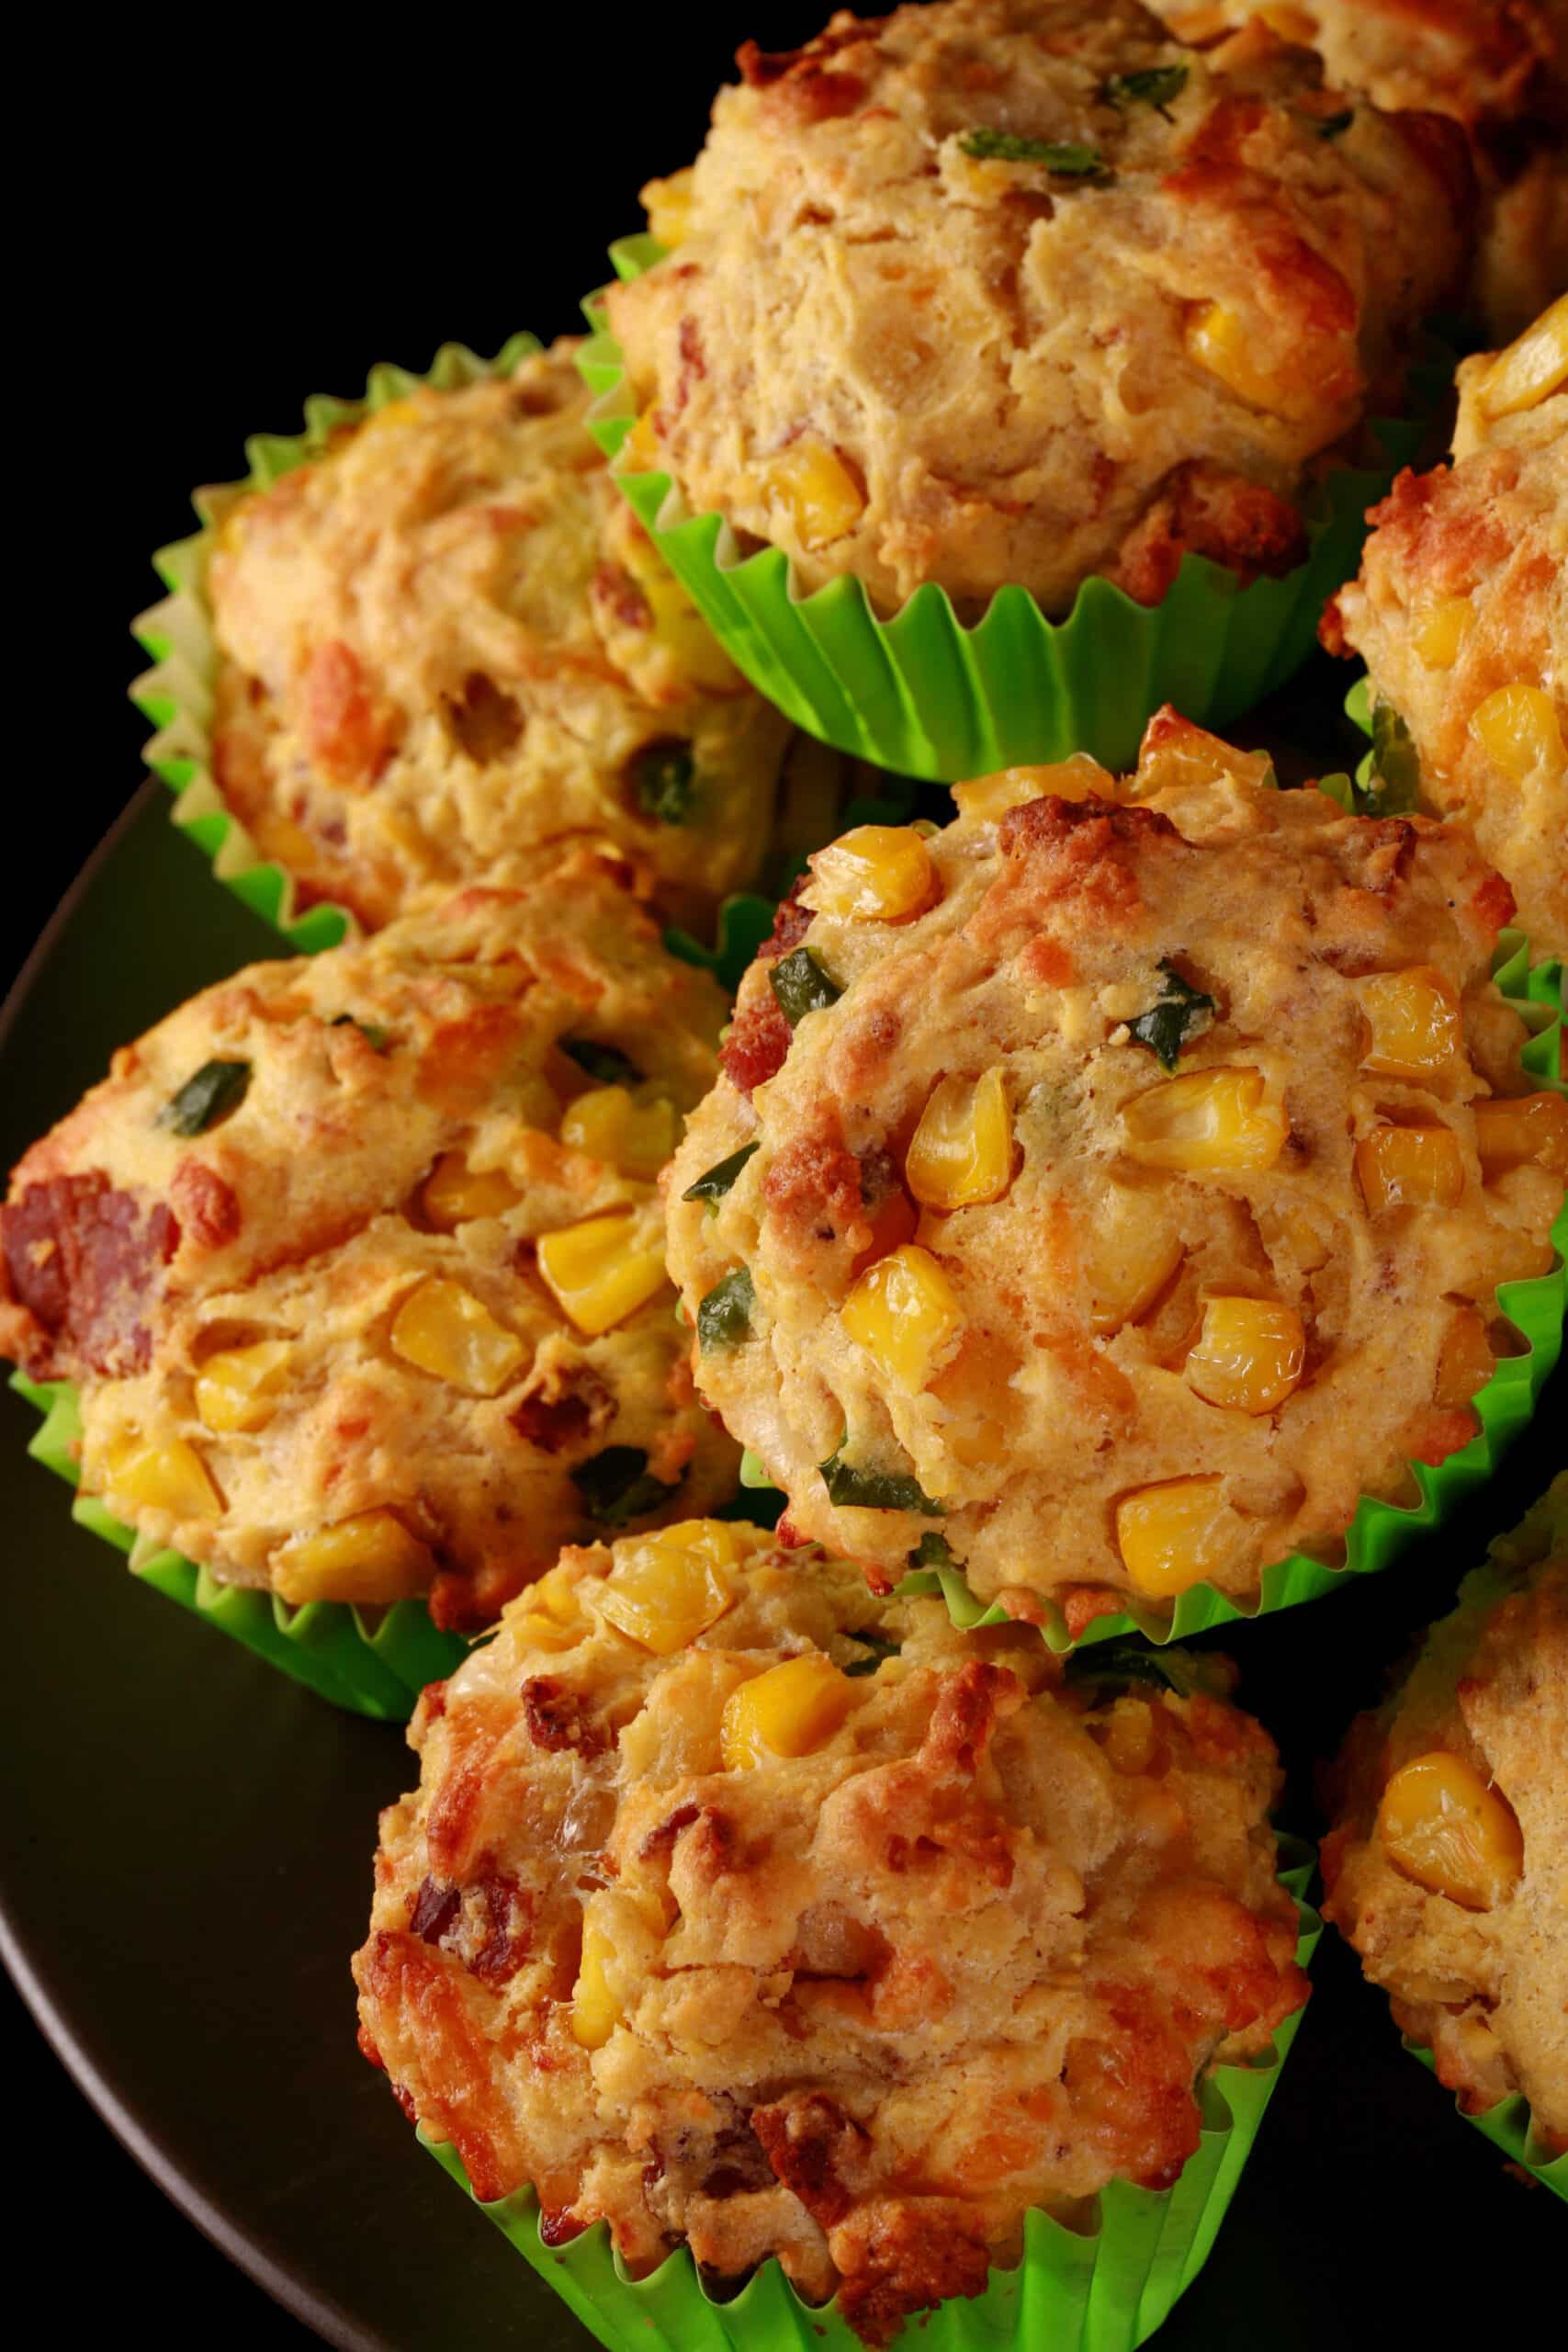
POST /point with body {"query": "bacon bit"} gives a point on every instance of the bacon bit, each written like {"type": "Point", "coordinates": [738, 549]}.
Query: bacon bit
{"type": "Point", "coordinates": [557, 1719]}
{"type": "Point", "coordinates": [1493, 903]}
{"type": "Point", "coordinates": [348, 738]}
{"type": "Point", "coordinates": [693, 367]}
{"type": "Point", "coordinates": [209, 1209]}
{"type": "Point", "coordinates": [1085, 850]}
{"type": "Point", "coordinates": [1378, 855]}
{"type": "Point", "coordinates": [790, 1537]}
{"type": "Point", "coordinates": [1435, 1434]}
{"type": "Point", "coordinates": [1082, 1603]}
{"type": "Point", "coordinates": [558, 2225]}
{"type": "Point", "coordinates": [568, 1421]}
{"type": "Point", "coordinates": [1201, 510]}
{"type": "Point", "coordinates": [435, 1906]}
{"type": "Point", "coordinates": [82, 1258]}
{"type": "Point", "coordinates": [900, 2256]}
{"type": "Point", "coordinates": [508, 1924]}
{"type": "Point", "coordinates": [619, 594]}
{"type": "Point", "coordinates": [758, 1045]}
{"type": "Point", "coordinates": [806, 2141]}
{"type": "Point", "coordinates": [662, 1840]}
{"type": "Point", "coordinates": [814, 1183]}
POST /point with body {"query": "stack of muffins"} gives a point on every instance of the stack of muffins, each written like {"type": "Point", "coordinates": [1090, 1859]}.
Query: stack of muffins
{"type": "Point", "coordinates": [1123, 1198]}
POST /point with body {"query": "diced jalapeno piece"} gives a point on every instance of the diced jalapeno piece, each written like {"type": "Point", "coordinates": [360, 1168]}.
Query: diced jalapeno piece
{"type": "Point", "coordinates": [213, 1095]}
{"type": "Point", "coordinates": [1181, 1012]}
{"type": "Point", "coordinates": [724, 1317]}
{"type": "Point", "coordinates": [616, 1486]}
{"type": "Point", "coordinates": [716, 1180]}
{"type": "Point", "coordinates": [851, 1487]}
{"type": "Point", "coordinates": [605, 1063]}
{"type": "Point", "coordinates": [802, 985]}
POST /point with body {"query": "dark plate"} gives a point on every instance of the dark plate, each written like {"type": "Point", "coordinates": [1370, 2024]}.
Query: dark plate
{"type": "Point", "coordinates": [185, 1868]}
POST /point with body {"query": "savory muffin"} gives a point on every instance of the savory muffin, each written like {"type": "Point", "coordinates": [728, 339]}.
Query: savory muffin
{"type": "Point", "coordinates": [1107, 1191]}
{"type": "Point", "coordinates": [358, 1261]}
{"type": "Point", "coordinates": [737, 1909]}
{"type": "Point", "coordinates": [1500, 71]}
{"type": "Point", "coordinates": [1447, 1867]}
{"type": "Point", "coordinates": [998, 291]}
{"type": "Point", "coordinates": [1461, 614]}
{"type": "Point", "coordinates": [446, 641]}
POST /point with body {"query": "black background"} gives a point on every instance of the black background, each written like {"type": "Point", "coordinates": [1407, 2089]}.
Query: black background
{"type": "Point", "coordinates": [224, 233]}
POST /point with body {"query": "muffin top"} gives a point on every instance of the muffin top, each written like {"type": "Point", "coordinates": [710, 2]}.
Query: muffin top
{"type": "Point", "coordinates": [999, 290]}
{"type": "Point", "coordinates": [358, 1260]}
{"type": "Point", "coordinates": [1460, 613]}
{"type": "Point", "coordinates": [1447, 1866]}
{"type": "Point", "coordinates": [1105, 1191]}
{"type": "Point", "coordinates": [447, 641]}
{"type": "Point", "coordinates": [736, 1908]}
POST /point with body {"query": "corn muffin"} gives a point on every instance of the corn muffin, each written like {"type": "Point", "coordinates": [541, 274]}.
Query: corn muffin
{"type": "Point", "coordinates": [447, 641]}
{"type": "Point", "coordinates": [1021, 290]}
{"type": "Point", "coordinates": [1448, 1868]}
{"type": "Point", "coordinates": [740, 1910]}
{"type": "Point", "coordinates": [1105, 1191]}
{"type": "Point", "coordinates": [358, 1263]}
{"type": "Point", "coordinates": [1500, 71]}
{"type": "Point", "coordinates": [1461, 615]}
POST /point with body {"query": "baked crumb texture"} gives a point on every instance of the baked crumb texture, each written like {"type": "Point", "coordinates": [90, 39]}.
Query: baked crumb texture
{"type": "Point", "coordinates": [1448, 1865]}
{"type": "Point", "coordinates": [358, 1260]}
{"type": "Point", "coordinates": [1115, 1183]}
{"type": "Point", "coordinates": [737, 1909]}
{"type": "Point", "coordinates": [1022, 291]}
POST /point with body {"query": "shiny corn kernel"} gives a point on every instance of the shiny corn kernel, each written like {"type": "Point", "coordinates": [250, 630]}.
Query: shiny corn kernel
{"type": "Point", "coordinates": [1519, 729]}
{"type": "Point", "coordinates": [170, 1477]}
{"type": "Point", "coordinates": [1522, 1129]}
{"type": "Point", "coordinates": [905, 1313]}
{"type": "Point", "coordinates": [371, 1557]}
{"type": "Point", "coordinates": [962, 1151]}
{"type": "Point", "coordinates": [990, 797]}
{"type": "Point", "coordinates": [536, 1632]}
{"type": "Point", "coordinates": [1129, 1256]}
{"type": "Point", "coordinates": [444, 1329]}
{"type": "Point", "coordinates": [1249, 1356]}
{"type": "Point", "coordinates": [1409, 1167]}
{"type": "Point", "coordinates": [454, 1192]}
{"type": "Point", "coordinates": [669, 1588]}
{"type": "Point", "coordinates": [1532, 368]}
{"type": "Point", "coordinates": [609, 1124]}
{"type": "Point", "coordinates": [875, 873]}
{"type": "Point", "coordinates": [599, 1274]}
{"type": "Point", "coordinates": [1222, 342]}
{"type": "Point", "coordinates": [1441, 632]}
{"type": "Point", "coordinates": [556, 1595]}
{"type": "Point", "coordinates": [1175, 752]}
{"type": "Point", "coordinates": [788, 1711]}
{"type": "Point", "coordinates": [1175, 1535]}
{"type": "Point", "coordinates": [1414, 1018]}
{"type": "Point", "coordinates": [595, 2003]}
{"type": "Point", "coordinates": [668, 204]}
{"type": "Point", "coordinates": [1442, 1824]}
{"type": "Point", "coordinates": [639, 451]}
{"type": "Point", "coordinates": [239, 1388]}
{"type": "Point", "coordinates": [821, 498]}
{"type": "Point", "coordinates": [1208, 1120]}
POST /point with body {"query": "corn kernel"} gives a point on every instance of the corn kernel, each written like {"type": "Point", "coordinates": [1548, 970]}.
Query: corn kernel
{"type": "Point", "coordinates": [444, 1329]}
{"type": "Point", "coordinates": [454, 1192]}
{"type": "Point", "coordinates": [238, 1389]}
{"type": "Point", "coordinates": [788, 1711]}
{"type": "Point", "coordinates": [1442, 1824]}
{"type": "Point", "coordinates": [905, 1313]}
{"type": "Point", "coordinates": [1174, 1534]}
{"type": "Point", "coordinates": [639, 452]}
{"type": "Point", "coordinates": [1221, 341]}
{"type": "Point", "coordinates": [170, 1477]}
{"type": "Point", "coordinates": [1249, 1356]}
{"type": "Point", "coordinates": [539, 1633]}
{"type": "Point", "coordinates": [875, 873]}
{"type": "Point", "coordinates": [1409, 1167]}
{"type": "Point", "coordinates": [668, 204]}
{"type": "Point", "coordinates": [598, 1274]}
{"type": "Point", "coordinates": [557, 1596]}
{"type": "Point", "coordinates": [669, 1588]}
{"type": "Point", "coordinates": [1414, 1017]}
{"type": "Point", "coordinates": [1174, 751]}
{"type": "Point", "coordinates": [1516, 1130]}
{"type": "Point", "coordinates": [962, 1151]}
{"type": "Point", "coordinates": [595, 2003]}
{"type": "Point", "coordinates": [1128, 1259]}
{"type": "Point", "coordinates": [1519, 729]}
{"type": "Point", "coordinates": [609, 1124]}
{"type": "Point", "coordinates": [1441, 632]}
{"type": "Point", "coordinates": [371, 1557]}
{"type": "Point", "coordinates": [1207, 1119]}
{"type": "Point", "coordinates": [821, 498]}
{"type": "Point", "coordinates": [1532, 368]}
{"type": "Point", "coordinates": [990, 797]}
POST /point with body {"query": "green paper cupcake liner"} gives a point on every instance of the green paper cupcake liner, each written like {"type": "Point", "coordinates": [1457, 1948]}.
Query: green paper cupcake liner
{"type": "Point", "coordinates": [1510, 2125]}
{"type": "Point", "coordinates": [1104, 2288]}
{"type": "Point", "coordinates": [373, 1663]}
{"type": "Point", "coordinates": [926, 695]}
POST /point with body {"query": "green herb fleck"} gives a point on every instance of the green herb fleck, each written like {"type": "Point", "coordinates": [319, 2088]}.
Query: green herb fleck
{"type": "Point", "coordinates": [1180, 1012]}
{"type": "Point", "coordinates": [716, 1182]}
{"type": "Point", "coordinates": [214, 1093]}
{"type": "Point", "coordinates": [616, 1486]}
{"type": "Point", "coordinates": [876, 1650]}
{"type": "Point", "coordinates": [854, 1489]}
{"type": "Point", "coordinates": [1155, 87]}
{"type": "Point", "coordinates": [801, 986]}
{"type": "Point", "coordinates": [1186, 1672]}
{"type": "Point", "coordinates": [724, 1317]}
{"type": "Point", "coordinates": [1395, 784]}
{"type": "Point", "coordinates": [666, 777]}
{"type": "Point", "coordinates": [1068, 160]}
{"type": "Point", "coordinates": [932, 1551]}
{"type": "Point", "coordinates": [606, 1063]}
{"type": "Point", "coordinates": [377, 1039]}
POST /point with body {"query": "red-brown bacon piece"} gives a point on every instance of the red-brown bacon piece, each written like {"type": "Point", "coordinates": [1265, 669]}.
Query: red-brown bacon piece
{"type": "Point", "coordinates": [83, 1262]}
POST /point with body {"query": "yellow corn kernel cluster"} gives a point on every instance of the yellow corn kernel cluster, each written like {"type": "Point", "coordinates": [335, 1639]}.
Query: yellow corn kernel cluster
{"type": "Point", "coordinates": [1516, 1130]}
{"type": "Point", "coordinates": [609, 1124]}
{"type": "Point", "coordinates": [168, 1476]}
{"type": "Point", "coordinates": [989, 797]}
{"type": "Point", "coordinates": [1409, 1167]}
{"type": "Point", "coordinates": [1175, 752]}
{"type": "Point", "coordinates": [238, 1389]}
{"type": "Point", "coordinates": [873, 874]}
{"type": "Point", "coordinates": [788, 1711]}
{"type": "Point", "coordinates": [454, 1194]}
{"type": "Point", "coordinates": [444, 1329]}
{"type": "Point", "coordinates": [553, 1619]}
{"type": "Point", "coordinates": [370, 1558]}
{"type": "Point", "coordinates": [595, 2003]}
{"type": "Point", "coordinates": [621, 1928]}
{"type": "Point", "coordinates": [1249, 1356]}
{"type": "Point", "coordinates": [1440, 633]}
{"type": "Point", "coordinates": [905, 1313]}
{"type": "Point", "coordinates": [1207, 1121]}
{"type": "Point", "coordinates": [962, 1151]}
{"type": "Point", "coordinates": [1175, 1535]}
{"type": "Point", "coordinates": [1128, 1259]}
{"type": "Point", "coordinates": [1519, 729]}
{"type": "Point", "coordinates": [668, 204]}
{"type": "Point", "coordinates": [818, 494]}
{"type": "Point", "coordinates": [1222, 342]}
{"type": "Point", "coordinates": [1413, 1020]}
{"type": "Point", "coordinates": [669, 1588]}
{"type": "Point", "coordinates": [1443, 1825]}
{"type": "Point", "coordinates": [1532, 368]}
{"type": "Point", "coordinates": [598, 1273]}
